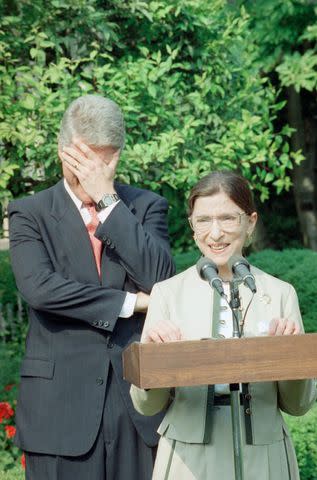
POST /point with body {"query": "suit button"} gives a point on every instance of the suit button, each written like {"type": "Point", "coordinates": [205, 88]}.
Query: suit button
{"type": "Point", "coordinates": [106, 324]}
{"type": "Point", "coordinates": [100, 323]}
{"type": "Point", "coordinates": [104, 239]}
{"type": "Point", "coordinates": [110, 344]}
{"type": "Point", "coordinates": [99, 381]}
{"type": "Point", "coordinates": [108, 242]}
{"type": "Point", "coordinates": [94, 322]}
{"type": "Point", "coordinates": [248, 396]}
{"type": "Point", "coordinates": [248, 411]}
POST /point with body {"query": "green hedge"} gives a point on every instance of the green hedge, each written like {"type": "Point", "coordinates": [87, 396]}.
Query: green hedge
{"type": "Point", "coordinates": [303, 430]}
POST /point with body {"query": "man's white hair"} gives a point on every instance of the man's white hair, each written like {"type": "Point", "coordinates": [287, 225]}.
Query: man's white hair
{"type": "Point", "coordinates": [96, 120]}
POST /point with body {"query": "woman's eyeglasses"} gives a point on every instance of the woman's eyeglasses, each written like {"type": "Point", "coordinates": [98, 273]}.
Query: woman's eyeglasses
{"type": "Point", "coordinates": [226, 222]}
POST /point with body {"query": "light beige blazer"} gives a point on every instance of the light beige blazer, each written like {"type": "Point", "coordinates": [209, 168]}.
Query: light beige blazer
{"type": "Point", "coordinates": [190, 303]}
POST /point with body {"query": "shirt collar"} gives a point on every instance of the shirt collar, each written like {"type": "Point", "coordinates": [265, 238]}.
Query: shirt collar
{"type": "Point", "coordinates": [75, 199]}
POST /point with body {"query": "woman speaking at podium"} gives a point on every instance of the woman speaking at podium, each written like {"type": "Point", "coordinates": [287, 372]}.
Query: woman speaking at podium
{"type": "Point", "coordinates": [196, 432]}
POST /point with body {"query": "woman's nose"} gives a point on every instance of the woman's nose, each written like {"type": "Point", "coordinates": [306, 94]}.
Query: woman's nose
{"type": "Point", "coordinates": [215, 232]}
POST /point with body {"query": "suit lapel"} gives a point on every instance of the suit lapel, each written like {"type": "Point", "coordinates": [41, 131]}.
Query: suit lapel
{"type": "Point", "coordinates": [73, 237]}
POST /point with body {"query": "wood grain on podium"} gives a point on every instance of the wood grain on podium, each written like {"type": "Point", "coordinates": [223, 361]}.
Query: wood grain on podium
{"type": "Point", "coordinates": [210, 361]}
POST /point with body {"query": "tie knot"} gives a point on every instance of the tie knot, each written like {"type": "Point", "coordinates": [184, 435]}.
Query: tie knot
{"type": "Point", "coordinates": [93, 214]}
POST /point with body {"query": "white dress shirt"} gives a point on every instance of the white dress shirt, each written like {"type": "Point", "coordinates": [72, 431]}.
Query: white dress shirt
{"type": "Point", "coordinates": [130, 299]}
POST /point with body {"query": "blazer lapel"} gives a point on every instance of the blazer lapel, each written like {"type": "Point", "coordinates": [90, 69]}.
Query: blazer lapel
{"type": "Point", "coordinates": [198, 306]}
{"type": "Point", "coordinates": [73, 237]}
{"type": "Point", "coordinates": [259, 313]}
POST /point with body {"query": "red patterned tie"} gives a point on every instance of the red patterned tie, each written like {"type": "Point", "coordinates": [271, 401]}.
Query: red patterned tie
{"type": "Point", "coordinates": [91, 228]}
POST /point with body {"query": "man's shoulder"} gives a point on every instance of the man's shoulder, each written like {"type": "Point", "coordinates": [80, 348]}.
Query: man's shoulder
{"type": "Point", "coordinates": [34, 200]}
{"type": "Point", "coordinates": [130, 193]}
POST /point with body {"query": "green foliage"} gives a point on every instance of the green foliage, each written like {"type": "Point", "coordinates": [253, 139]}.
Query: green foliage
{"type": "Point", "coordinates": [7, 282]}
{"type": "Point", "coordinates": [303, 431]}
{"type": "Point", "coordinates": [16, 473]}
{"type": "Point", "coordinates": [12, 309]}
{"type": "Point", "coordinates": [286, 32]}
{"type": "Point", "coordinates": [184, 73]}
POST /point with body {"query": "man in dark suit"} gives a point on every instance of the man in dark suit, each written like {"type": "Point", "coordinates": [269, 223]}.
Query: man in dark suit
{"type": "Point", "coordinates": [86, 253]}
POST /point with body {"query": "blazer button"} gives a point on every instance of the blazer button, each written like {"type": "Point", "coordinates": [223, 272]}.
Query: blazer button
{"type": "Point", "coordinates": [94, 322]}
{"type": "Point", "coordinates": [108, 242]}
{"type": "Point", "coordinates": [248, 411]}
{"type": "Point", "coordinates": [100, 323]}
{"type": "Point", "coordinates": [110, 344]}
{"type": "Point", "coordinates": [248, 396]}
{"type": "Point", "coordinates": [106, 324]}
{"type": "Point", "coordinates": [99, 381]}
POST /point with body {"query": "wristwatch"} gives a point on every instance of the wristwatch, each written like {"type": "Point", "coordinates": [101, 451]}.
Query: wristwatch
{"type": "Point", "coordinates": [106, 200]}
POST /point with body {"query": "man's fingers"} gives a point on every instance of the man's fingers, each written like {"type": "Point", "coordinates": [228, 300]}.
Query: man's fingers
{"type": "Point", "coordinates": [84, 149]}
{"type": "Point", "coordinates": [76, 155]}
{"type": "Point", "coordinates": [74, 170]}
{"type": "Point", "coordinates": [114, 161]}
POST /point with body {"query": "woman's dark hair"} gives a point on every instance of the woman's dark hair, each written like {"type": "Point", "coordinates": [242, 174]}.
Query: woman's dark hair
{"type": "Point", "coordinates": [235, 186]}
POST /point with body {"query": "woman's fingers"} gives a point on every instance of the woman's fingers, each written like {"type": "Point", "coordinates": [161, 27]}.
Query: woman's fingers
{"type": "Point", "coordinates": [283, 326]}
{"type": "Point", "coordinates": [163, 331]}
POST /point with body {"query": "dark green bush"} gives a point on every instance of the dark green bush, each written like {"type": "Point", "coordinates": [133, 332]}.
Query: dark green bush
{"type": "Point", "coordinates": [7, 282]}
{"type": "Point", "coordinates": [298, 267]}
{"type": "Point", "coordinates": [303, 430]}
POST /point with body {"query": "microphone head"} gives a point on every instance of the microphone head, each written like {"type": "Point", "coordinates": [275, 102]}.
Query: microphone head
{"type": "Point", "coordinates": [204, 263]}
{"type": "Point", "coordinates": [240, 268]}
{"type": "Point", "coordinates": [236, 260]}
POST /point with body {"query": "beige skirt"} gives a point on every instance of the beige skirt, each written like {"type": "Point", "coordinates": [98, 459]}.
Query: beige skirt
{"type": "Point", "coordinates": [214, 461]}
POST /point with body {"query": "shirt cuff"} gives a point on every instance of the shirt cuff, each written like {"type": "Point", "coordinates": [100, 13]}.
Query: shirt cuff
{"type": "Point", "coordinates": [104, 214]}
{"type": "Point", "coordinates": [128, 305]}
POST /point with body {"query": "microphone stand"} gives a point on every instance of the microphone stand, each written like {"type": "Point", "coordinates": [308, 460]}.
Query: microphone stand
{"type": "Point", "coordinates": [235, 389]}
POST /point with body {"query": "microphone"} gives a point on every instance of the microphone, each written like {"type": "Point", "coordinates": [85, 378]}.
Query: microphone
{"type": "Point", "coordinates": [207, 270]}
{"type": "Point", "coordinates": [241, 268]}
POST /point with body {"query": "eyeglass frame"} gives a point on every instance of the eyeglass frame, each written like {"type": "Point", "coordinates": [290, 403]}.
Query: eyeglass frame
{"type": "Point", "coordinates": [212, 218]}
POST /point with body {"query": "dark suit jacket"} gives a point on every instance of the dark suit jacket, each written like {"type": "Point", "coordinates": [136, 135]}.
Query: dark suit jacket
{"type": "Point", "coordinates": [74, 329]}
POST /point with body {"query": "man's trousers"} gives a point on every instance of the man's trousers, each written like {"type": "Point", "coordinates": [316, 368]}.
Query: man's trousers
{"type": "Point", "coordinates": [118, 453]}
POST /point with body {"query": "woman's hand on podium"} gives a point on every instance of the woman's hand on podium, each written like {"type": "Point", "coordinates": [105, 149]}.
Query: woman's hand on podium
{"type": "Point", "coordinates": [283, 326]}
{"type": "Point", "coordinates": [163, 331]}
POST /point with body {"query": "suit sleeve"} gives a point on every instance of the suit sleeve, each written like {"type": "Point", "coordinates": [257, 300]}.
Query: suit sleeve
{"type": "Point", "coordinates": [48, 291]}
{"type": "Point", "coordinates": [150, 402]}
{"type": "Point", "coordinates": [142, 247]}
{"type": "Point", "coordinates": [295, 397]}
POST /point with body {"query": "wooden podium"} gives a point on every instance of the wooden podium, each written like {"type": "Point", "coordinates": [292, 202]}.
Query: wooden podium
{"type": "Point", "coordinates": [211, 361]}
{"type": "Point", "coordinates": [232, 361]}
